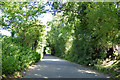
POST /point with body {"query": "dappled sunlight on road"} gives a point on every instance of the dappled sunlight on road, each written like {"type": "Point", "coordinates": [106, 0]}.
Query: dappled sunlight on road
{"type": "Point", "coordinates": [90, 72]}
{"type": "Point", "coordinates": [32, 67]}
{"type": "Point", "coordinates": [85, 71]}
{"type": "Point", "coordinates": [52, 60]}
{"type": "Point", "coordinates": [38, 75]}
{"type": "Point", "coordinates": [54, 67]}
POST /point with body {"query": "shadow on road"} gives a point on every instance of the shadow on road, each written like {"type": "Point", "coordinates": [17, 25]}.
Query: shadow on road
{"type": "Point", "coordinates": [54, 67]}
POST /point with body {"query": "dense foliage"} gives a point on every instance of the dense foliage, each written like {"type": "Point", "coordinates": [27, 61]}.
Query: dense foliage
{"type": "Point", "coordinates": [21, 19]}
{"type": "Point", "coordinates": [15, 57]}
{"type": "Point", "coordinates": [87, 33]}
{"type": "Point", "coordinates": [0, 57]}
{"type": "Point", "coordinates": [25, 46]}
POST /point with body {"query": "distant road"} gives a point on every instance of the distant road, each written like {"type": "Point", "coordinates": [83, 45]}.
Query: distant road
{"type": "Point", "coordinates": [54, 67]}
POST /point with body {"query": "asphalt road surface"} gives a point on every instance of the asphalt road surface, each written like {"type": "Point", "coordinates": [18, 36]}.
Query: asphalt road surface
{"type": "Point", "coordinates": [54, 67]}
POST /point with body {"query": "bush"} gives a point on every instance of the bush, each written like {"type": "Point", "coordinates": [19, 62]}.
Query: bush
{"type": "Point", "coordinates": [15, 57]}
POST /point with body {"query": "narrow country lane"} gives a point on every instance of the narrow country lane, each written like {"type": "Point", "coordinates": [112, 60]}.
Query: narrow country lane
{"type": "Point", "coordinates": [54, 67]}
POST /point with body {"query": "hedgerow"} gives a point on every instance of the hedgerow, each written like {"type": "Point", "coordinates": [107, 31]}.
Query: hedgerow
{"type": "Point", "coordinates": [15, 57]}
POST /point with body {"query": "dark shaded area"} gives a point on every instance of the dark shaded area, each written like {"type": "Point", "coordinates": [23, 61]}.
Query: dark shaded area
{"type": "Point", "coordinates": [44, 50]}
